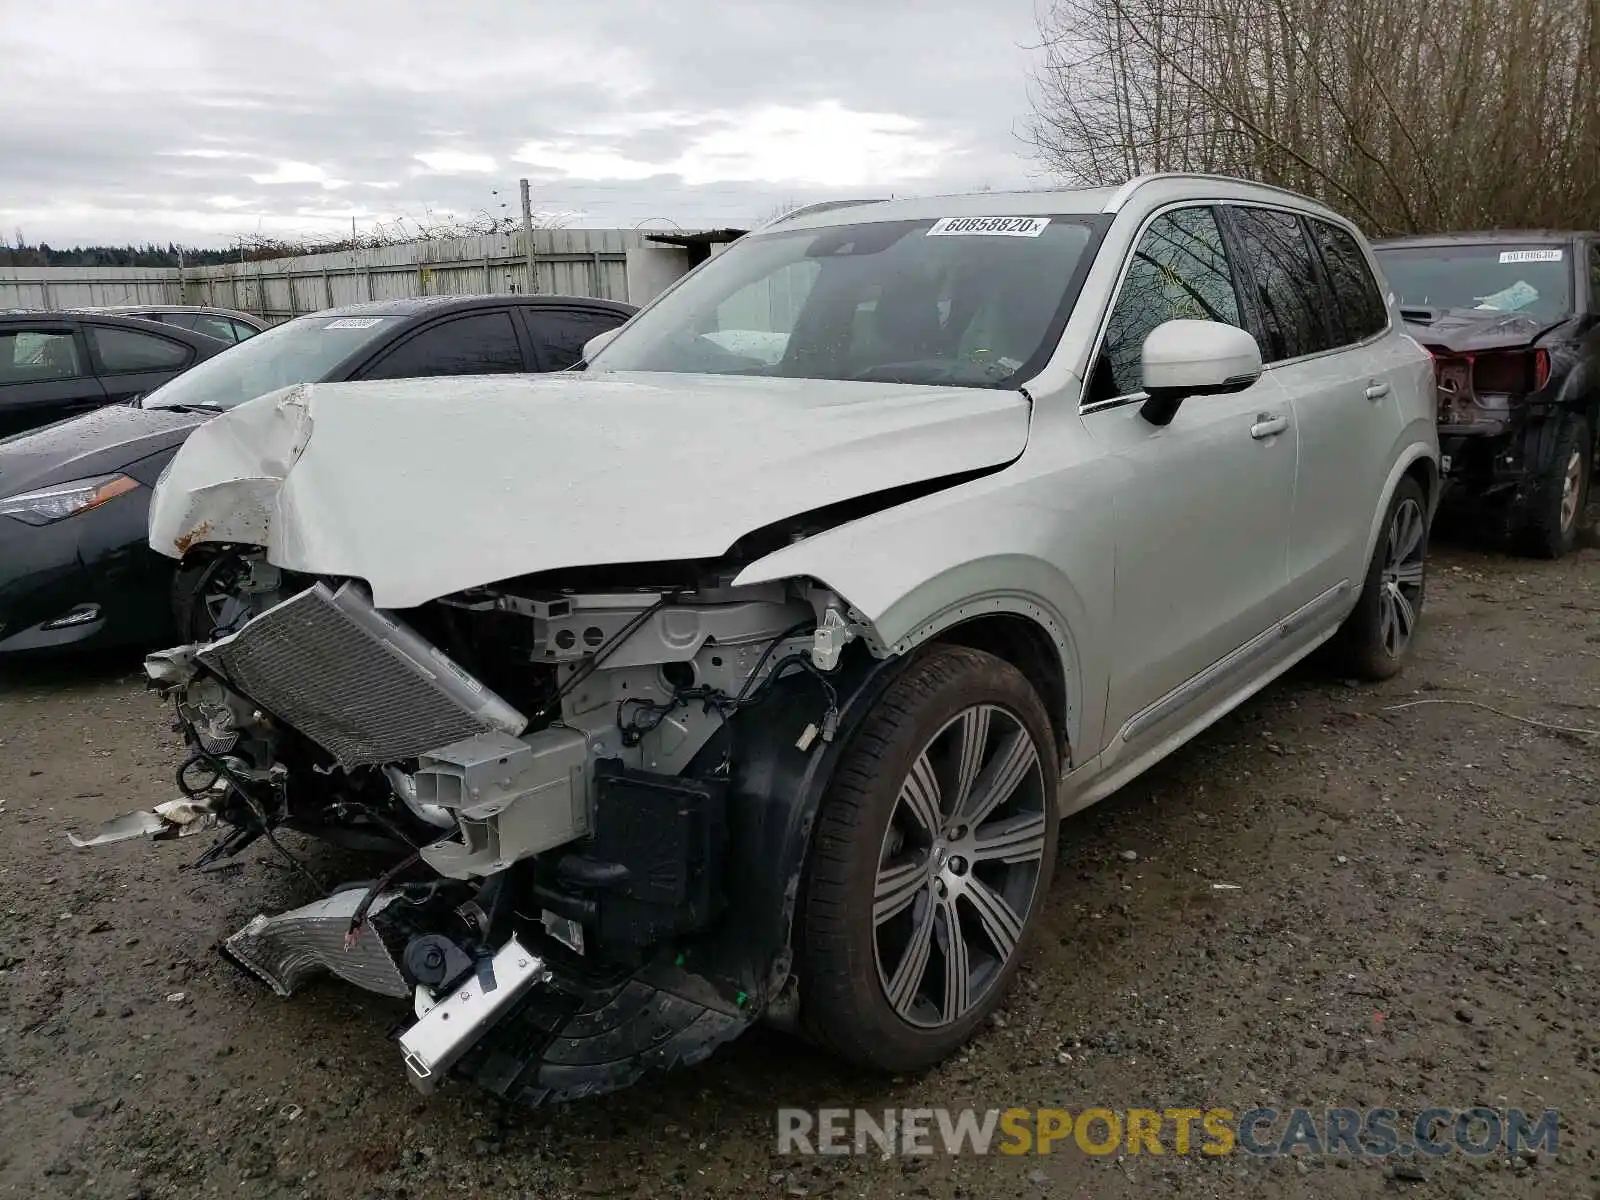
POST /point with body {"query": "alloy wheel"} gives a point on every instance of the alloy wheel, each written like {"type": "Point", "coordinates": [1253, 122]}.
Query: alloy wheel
{"type": "Point", "coordinates": [1571, 489]}
{"type": "Point", "coordinates": [219, 605]}
{"type": "Point", "coordinates": [959, 867]}
{"type": "Point", "coordinates": [1400, 596]}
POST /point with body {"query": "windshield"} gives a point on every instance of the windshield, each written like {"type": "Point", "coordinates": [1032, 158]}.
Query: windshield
{"type": "Point", "coordinates": [1533, 280]}
{"type": "Point", "coordinates": [300, 351]}
{"type": "Point", "coordinates": [964, 301]}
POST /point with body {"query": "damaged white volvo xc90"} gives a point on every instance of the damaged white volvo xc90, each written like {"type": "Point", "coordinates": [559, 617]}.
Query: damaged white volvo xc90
{"type": "Point", "coordinates": [747, 673]}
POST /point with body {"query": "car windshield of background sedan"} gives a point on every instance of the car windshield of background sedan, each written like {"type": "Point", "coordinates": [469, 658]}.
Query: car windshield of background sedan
{"type": "Point", "coordinates": [299, 351]}
{"type": "Point", "coordinates": [965, 301]}
{"type": "Point", "coordinates": [1532, 280]}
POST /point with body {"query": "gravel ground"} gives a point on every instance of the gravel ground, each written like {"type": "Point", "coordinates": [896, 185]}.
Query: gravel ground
{"type": "Point", "coordinates": [1415, 922]}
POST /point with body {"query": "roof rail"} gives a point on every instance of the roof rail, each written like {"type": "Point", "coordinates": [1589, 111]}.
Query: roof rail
{"type": "Point", "coordinates": [1123, 193]}
{"type": "Point", "coordinates": [806, 210]}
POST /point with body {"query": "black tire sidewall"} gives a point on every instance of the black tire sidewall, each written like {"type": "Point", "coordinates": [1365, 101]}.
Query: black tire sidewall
{"type": "Point", "coordinates": [1361, 649]}
{"type": "Point", "coordinates": [1578, 438]}
{"type": "Point", "coordinates": [845, 1007]}
{"type": "Point", "coordinates": [1541, 532]}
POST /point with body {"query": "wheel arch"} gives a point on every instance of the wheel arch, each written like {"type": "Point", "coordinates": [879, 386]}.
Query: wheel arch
{"type": "Point", "coordinates": [1419, 461]}
{"type": "Point", "coordinates": [1017, 606]}
{"type": "Point", "coordinates": [777, 788]}
{"type": "Point", "coordinates": [1028, 645]}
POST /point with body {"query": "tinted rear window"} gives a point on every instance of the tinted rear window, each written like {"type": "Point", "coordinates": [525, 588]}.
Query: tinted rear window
{"type": "Point", "coordinates": [561, 333]}
{"type": "Point", "coordinates": [126, 351]}
{"type": "Point", "coordinates": [1288, 291]}
{"type": "Point", "coordinates": [38, 356]}
{"type": "Point", "coordinates": [1358, 301]}
{"type": "Point", "coordinates": [476, 344]}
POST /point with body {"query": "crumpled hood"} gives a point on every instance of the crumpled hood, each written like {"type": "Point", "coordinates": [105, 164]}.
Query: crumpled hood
{"type": "Point", "coordinates": [424, 487]}
{"type": "Point", "coordinates": [96, 443]}
{"type": "Point", "coordinates": [1471, 329]}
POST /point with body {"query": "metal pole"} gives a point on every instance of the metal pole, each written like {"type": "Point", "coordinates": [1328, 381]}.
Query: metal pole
{"type": "Point", "coordinates": [527, 233]}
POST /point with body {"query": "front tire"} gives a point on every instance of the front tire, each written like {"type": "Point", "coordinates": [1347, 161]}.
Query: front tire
{"type": "Point", "coordinates": [1377, 636]}
{"type": "Point", "coordinates": [201, 596]}
{"type": "Point", "coordinates": [932, 855]}
{"type": "Point", "coordinates": [1551, 517]}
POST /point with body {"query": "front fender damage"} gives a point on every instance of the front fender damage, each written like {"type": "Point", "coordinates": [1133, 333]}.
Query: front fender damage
{"type": "Point", "coordinates": [225, 483]}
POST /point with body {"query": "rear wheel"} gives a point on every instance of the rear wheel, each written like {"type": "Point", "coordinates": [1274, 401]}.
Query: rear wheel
{"type": "Point", "coordinates": [1377, 636]}
{"type": "Point", "coordinates": [1549, 520]}
{"type": "Point", "coordinates": [933, 852]}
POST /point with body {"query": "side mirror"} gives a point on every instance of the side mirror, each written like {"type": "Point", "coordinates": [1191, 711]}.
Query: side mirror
{"type": "Point", "coordinates": [596, 344]}
{"type": "Point", "coordinates": [1195, 358]}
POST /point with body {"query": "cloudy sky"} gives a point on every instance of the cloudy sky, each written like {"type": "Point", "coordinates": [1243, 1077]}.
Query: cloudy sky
{"type": "Point", "coordinates": [175, 119]}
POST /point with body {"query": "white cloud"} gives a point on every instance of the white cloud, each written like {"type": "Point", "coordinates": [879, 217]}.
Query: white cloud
{"type": "Point", "coordinates": [703, 114]}
{"type": "Point", "coordinates": [822, 145]}
{"type": "Point", "coordinates": [456, 162]}
{"type": "Point", "coordinates": [299, 172]}
{"type": "Point", "coordinates": [572, 159]}
{"type": "Point", "coordinates": [826, 145]}
{"type": "Point", "coordinates": [205, 152]}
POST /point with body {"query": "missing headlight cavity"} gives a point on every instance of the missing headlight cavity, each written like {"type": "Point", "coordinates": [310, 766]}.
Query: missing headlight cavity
{"type": "Point", "coordinates": [678, 675]}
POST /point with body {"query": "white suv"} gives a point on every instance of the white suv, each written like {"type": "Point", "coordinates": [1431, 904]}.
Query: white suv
{"type": "Point", "coordinates": [749, 671]}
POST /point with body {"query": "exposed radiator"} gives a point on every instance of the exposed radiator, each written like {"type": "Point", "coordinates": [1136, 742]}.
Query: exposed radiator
{"type": "Point", "coordinates": [356, 682]}
{"type": "Point", "coordinates": [292, 948]}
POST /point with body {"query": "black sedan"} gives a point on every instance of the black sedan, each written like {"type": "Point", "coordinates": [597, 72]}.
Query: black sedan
{"type": "Point", "coordinates": [75, 566]}
{"type": "Point", "coordinates": [57, 365]}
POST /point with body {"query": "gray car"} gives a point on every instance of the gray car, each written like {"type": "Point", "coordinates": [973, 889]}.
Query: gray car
{"type": "Point", "coordinates": [749, 672]}
{"type": "Point", "coordinates": [225, 324]}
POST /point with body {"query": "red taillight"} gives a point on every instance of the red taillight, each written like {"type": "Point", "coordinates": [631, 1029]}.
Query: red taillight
{"type": "Point", "coordinates": [1541, 368]}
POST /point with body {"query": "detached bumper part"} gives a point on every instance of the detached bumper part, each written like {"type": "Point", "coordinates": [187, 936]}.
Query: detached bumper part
{"type": "Point", "coordinates": [453, 1025]}
{"type": "Point", "coordinates": [175, 818]}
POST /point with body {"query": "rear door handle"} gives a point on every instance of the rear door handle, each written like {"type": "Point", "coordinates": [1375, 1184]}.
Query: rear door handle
{"type": "Point", "coordinates": [1268, 424]}
{"type": "Point", "coordinates": [1377, 390]}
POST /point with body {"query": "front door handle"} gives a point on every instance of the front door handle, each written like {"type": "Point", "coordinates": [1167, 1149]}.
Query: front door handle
{"type": "Point", "coordinates": [1377, 390]}
{"type": "Point", "coordinates": [1268, 424]}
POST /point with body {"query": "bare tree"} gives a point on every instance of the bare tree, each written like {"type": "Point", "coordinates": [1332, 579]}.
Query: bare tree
{"type": "Point", "coordinates": [1406, 116]}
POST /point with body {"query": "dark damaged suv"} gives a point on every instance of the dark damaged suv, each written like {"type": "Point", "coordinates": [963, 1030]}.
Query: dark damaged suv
{"type": "Point", "coordinates": [1512, 320]}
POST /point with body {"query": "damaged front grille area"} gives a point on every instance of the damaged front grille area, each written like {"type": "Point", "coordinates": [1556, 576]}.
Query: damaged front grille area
{"type": "Point", "coordinates": [359, 684]}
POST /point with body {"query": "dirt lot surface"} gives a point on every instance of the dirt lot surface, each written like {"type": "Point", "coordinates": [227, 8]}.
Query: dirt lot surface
{"type": "Point", "coordinates": [1416, 922]}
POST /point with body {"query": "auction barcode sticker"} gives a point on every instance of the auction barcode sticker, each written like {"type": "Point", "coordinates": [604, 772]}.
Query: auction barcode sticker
{"type": "Point", "coordinates": [989, 226]}
{"type": "Point", "coordinates": [1516, 256]}
{"type": "Point", "coordinates": [354, 323]}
